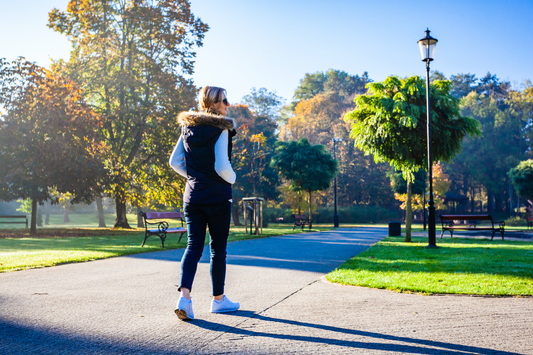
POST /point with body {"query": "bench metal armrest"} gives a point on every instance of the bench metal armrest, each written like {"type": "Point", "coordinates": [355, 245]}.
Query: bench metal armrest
{"type": "Point", "coordinates": [162, 226]}
{"type": "Point", "coordinates": [502, 224]}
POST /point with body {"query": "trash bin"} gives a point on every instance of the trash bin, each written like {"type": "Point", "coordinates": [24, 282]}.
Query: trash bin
{"type": "Point", "coordinates": [395, 229]}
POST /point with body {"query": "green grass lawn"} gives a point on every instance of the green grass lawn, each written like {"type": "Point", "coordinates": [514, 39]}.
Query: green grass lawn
{"type": "Point", "coordinates": [53, 245]}
{"type": "Point", "coordinates": [458, 266]}
{"type": "Point", "coordinates": [77, 220]}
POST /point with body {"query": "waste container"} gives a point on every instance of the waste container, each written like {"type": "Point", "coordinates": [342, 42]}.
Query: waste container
{"type": "Point", "coordinates": [395, 229]}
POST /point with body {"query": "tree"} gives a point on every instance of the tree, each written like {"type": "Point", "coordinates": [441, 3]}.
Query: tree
{"type": "Point", "coordinates": [333, 82]}
{"type": "Point", "coordinates": [64, 200]}
{"type": "Point", "coordinates": [310, 85]}
{"type": "Point", "coordinates": [253, 148]}
{"type": "Point", "coordinates": [47, 137]}
{"type": "Point", "coordinates": [315, 119]}
{"type": "Point", "coordinates": [441, 184]}
{"type": "Point", "coordinates": [264, 103]}
{"type": "Point", "coordinates": [522, 178]}
{"type": "Point", "coordinates": [389, 123]}
{"type": "Point", "coordinates": [486, 161]}
{"type": "Point", "coordinates": [489, 85]}
{"type": "Point", "coordinates": [521, 105]}
{"type": "Point", "coordinates": [399, 184]}
{"type": "Point", "coordinates": [309, 167]}
{"type": "Point", "coordinates": [436, 75]}
{"type": "Point", "coordinates": [505, 117]}
{"type": "Point", "coordinates": [360, 179]}
{"type": "Point", "coordinates": [129, 57]}
{"type": "Point", "coordinates": [463, 84]}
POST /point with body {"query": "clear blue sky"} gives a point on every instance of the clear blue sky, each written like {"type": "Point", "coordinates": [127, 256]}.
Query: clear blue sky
{"type": "Point", "coordinates": [274, 43]}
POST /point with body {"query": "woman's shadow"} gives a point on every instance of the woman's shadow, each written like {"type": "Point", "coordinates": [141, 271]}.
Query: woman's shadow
{"type": "Point", "coordinates": [426, 346]}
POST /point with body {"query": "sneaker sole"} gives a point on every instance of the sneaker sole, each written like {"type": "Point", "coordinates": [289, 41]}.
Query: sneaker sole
{"type": "Point", "coordinates": [182, 314]}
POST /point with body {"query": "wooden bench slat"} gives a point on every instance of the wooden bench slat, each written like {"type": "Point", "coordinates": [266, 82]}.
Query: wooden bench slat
{"type": "Point", "coordinates": [466, 217]}
{"type": "Point", "coordinates": [163, 215]}
{"type": "Point", "coordinates": [170, 230]}
{"type": "Point", "coordinates": [471, 228]}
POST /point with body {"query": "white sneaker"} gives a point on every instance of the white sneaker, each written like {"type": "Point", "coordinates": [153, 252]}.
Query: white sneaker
{"type": "Point", "coordinates": [224, 305]}
{"type": "Point", "coordinates": [184, 309]}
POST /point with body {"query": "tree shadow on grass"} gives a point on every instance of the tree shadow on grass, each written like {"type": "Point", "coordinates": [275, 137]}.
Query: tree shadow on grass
{"type": "Point", "coordinates": [455, 256]}
{"type": "Point", "coordinates": [410, 346]}
{"type": "Point", "coordinates": [68, 232]}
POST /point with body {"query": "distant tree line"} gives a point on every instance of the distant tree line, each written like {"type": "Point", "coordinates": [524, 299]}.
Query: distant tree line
{"type": "Point", "coordinates": [482, 160]}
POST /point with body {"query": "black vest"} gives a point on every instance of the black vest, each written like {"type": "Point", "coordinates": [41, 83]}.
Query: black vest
{"type": "Point", "coordinates": [204, 185]}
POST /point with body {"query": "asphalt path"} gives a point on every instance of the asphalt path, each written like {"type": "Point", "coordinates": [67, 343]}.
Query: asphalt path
{"type": "Point", "coordinates": [125, 306]}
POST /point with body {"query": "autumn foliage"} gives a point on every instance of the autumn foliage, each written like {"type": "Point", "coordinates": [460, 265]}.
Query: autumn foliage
{"type": "Point", "coordinates": [48, 136]}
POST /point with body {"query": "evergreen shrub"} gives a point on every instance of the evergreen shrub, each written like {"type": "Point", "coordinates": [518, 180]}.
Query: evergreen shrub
{"type": "Point", "coordinates": [515, 222]}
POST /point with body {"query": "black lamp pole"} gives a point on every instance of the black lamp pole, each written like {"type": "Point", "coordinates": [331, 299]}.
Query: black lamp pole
{"type": "Point", "coordinates": [427, 46]}
{"type": "Point", "coordinates": [424, 208]}
{"type": "Point", "coordinates": [335, 216]}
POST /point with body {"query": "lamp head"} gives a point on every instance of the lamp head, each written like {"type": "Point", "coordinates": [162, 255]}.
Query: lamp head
{"type": "Point", "coordinates": [427, 47]}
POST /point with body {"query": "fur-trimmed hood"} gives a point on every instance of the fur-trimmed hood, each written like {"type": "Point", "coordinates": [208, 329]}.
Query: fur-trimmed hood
{"type": "Point", "coordinates": [191, 118]}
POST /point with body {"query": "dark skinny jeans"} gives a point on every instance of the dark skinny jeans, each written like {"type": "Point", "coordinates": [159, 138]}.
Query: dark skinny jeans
{"type": "Point", "coordinates": [217, 217]}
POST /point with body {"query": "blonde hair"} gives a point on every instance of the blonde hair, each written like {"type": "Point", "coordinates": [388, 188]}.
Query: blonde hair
{"type": "Point", "coordinates": [208, 96]}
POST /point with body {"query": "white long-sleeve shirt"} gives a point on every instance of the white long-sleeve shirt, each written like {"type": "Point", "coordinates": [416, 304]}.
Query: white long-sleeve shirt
{"type": "Point", "coordinates": [222, 164]}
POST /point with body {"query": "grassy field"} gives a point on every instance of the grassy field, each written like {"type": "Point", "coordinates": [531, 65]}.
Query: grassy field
{"type": "Point", "coordinates": [76, 221]}
{"type": "Point", "coordinates": [458, 266]}
{"type": "Point", "coordinates": [81, 241]}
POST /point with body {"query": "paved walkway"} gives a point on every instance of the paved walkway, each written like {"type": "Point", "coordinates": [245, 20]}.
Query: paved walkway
{"type": "Point", "coordinates": [125, 306]}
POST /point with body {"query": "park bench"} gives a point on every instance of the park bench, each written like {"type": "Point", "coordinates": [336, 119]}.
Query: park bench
{"type": "Point", "coordinates": [449, 223]}
{"type": "Point", "coordinates": [300, 221]}
{"type": "Point", "coordinates": [17, 217]}
{"type": "Point", "coordinates": [162, 226]}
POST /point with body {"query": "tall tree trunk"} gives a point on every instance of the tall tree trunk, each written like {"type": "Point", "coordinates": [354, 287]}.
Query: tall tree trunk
{"type": "Point", "coordinates": [490, 203]}
{"type": "Point", "coordinates": [39, 216]}
{"type": "Point", "coordinates": [47, 213]}
{"type": "Point", "coordinates": [408, 214]}
{"type": "Point", "coordinates": [33, 223]}
{"type": "Point", "coordinates": [310, 211]}
{"type": "Point", "coordinates": [498, 202]}
{"type": "Point", "coordinates": [100, 210]}
{"type": "Point", "coordinates": [511, 206]}
{"type": "Point", "coordinates": [464, 204]}
{"type": "Point", "coordinates": [480, 200]}
{"type": "Point", "coordinates": [473, 200]}
{"type": "Point", "coordinates": [65, 215]}
{"type": "Point", "coordinates": [140, 223]}
{"type": "Point", "coordinates": [122, 219]}
{"type": "Point", "coordinates": [235, 214]}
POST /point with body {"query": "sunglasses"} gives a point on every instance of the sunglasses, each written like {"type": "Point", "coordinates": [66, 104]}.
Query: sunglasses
{"type": "Point", "coordinates": [225, 101]}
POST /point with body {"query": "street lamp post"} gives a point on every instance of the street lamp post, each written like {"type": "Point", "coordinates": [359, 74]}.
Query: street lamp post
{"type": "Point", "coordinates": [427, 51]}
{"type": "Point", "coordinates": [336, 215]}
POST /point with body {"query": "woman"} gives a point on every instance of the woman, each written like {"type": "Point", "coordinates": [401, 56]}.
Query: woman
{"type": "Point", "coordinates": [202, 156]}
